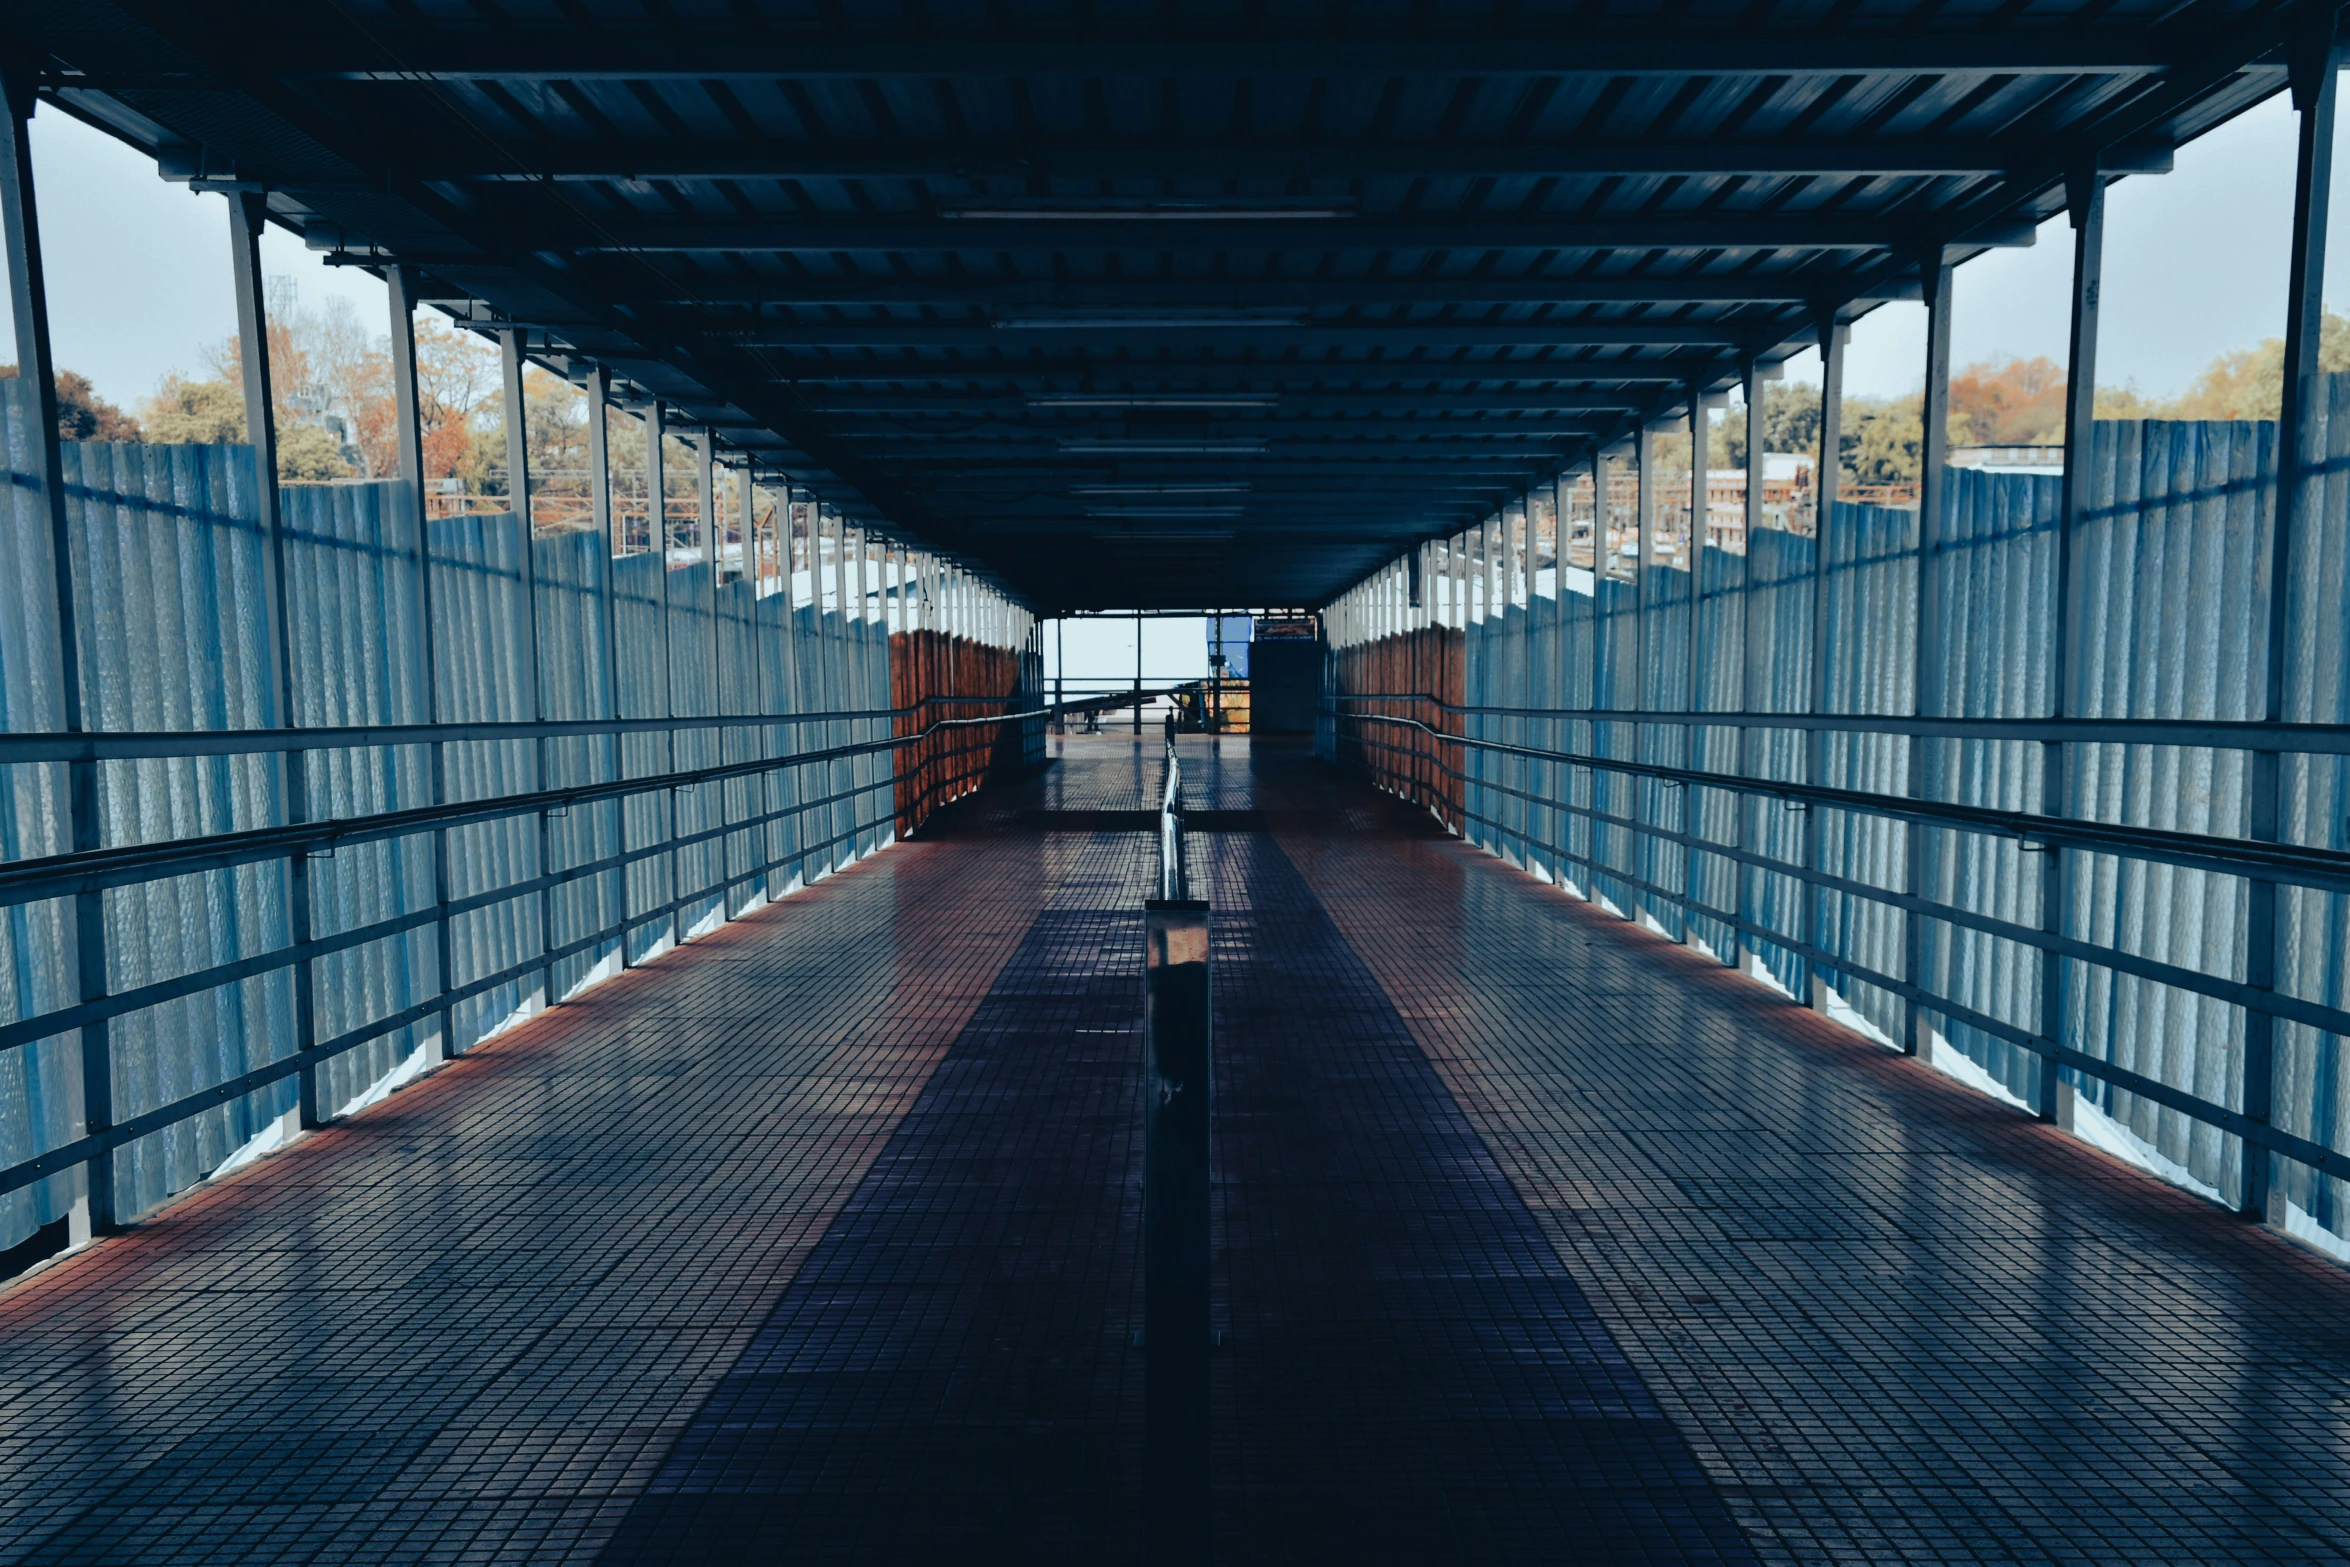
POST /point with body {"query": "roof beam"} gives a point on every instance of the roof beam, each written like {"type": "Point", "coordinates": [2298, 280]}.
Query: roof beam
{"type": "Point", "coordinates": [1187, 373]}
{"type": "Point", "coordinates": [1415, 404]}
{"type": "Point", "coordinates": [1245, 333]}
{"type": "Point", "coordinates": [1720, 288]}
{"type": "Point", "coordinates": [801, 160]}
{"type": "Point", "coordinates": [568, 54]}
{"type": "Point", "coordinates": [1063, 229]}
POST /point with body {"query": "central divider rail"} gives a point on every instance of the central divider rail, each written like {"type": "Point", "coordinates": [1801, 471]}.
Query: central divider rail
{"type": "Point", "coordinates": [1177, 1033]}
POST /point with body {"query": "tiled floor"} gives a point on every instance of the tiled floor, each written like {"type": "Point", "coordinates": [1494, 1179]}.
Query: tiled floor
{"type": "Point", "coordinates": [1896, 1320]}
{"type": "Point", "coordinates": [1538, 1239]}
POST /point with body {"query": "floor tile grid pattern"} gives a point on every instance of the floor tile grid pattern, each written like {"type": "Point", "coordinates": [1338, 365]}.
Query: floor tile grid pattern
{"type": "Point", "coordinates": [1410, 1374]}
{"type": "Point", "coordinates": [951, 1375]}
{"type": "Point", "coordinates": [467, 1324]}
{"type": "Point", "coordinates": [1898, 1321]}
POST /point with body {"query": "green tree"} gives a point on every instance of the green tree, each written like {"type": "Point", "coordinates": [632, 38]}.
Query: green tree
{"type": "Point", "coordinates": [195, 413]}
{"type": "Point", "coordinates": [1791, 422]}
{"type": "Point", "coordinates": [1882, 440]}
{"type": "Point", "coordinates": [308, 451]}
{"type": "Point", "coordinates": [212, 413]}
{"type": "Point", "coordinates": [82, 415]}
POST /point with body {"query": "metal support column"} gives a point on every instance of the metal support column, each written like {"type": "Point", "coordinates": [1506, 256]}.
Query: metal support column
{"type": "Point", "coordinates": [400, 285]}
{"type": "Point", "coordinates": [1524, 808]}
{"type": "Point", "coordinates": [657, 537]}
{"type": "Point", "coordinates": [1603, 737]}
{"type": "Point", "coordinates": [37, 384]}
{"type": "Point", "coordinates": [2315, 60]}
{"type": "Point", "coordinates": [1693, 797]}
{"type": "Point", "coordinates": [713, 534]}
{"type": "Point", "coordinates": [532, 703]}
{"type": "Point", "coordinates": [1138, 674]}
{"type": "Point", "coordinates": [1757, 433]}
{"type": "Point", "coordinates": [1815, 744]}
{"type": "Point", "coordinates": [2085, 193]}
{"type": "Point", "coordinates": [608, 528]}
{"type": "Point", "coordinates": [1927, 652]}
{"type": "Point", "coordinates": [1644, 589]}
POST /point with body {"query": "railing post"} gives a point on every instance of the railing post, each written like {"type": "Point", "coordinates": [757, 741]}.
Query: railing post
{"type": "Point", "coordinates": [1693, 797]}
{"type": "Point", "coordinates": [399, 285]}
{"type": "Point", "coordinates": [1815, 746]}
{"type": "Point", "coordinates": [716, 850]}
{"type": "Point", "coordinates": [1177, 1078]}
{"type": "Point", "coordinates": [1757, 430]}
{"type": "Point", "coordinates": [1644, 593]}
{"type": "Point", "coordinates": [1602, 737]}
{"type": "Point", "coordinates": [608, 528]}
{"type": "Point", "coordinates": [533, 702]}
{"type": "Point", "coordinates": [28, 300]}
{"type": "Point", "coordinates": [2316, 61]}
{"type": "Point", "coordinates": [247, 212]}
{"type": "Point", "coordinates": [2086, 193]}
{"type": "Point", "coordinates": [1927, 650]}
{"type": "Point", "coordinates": [657, 537]}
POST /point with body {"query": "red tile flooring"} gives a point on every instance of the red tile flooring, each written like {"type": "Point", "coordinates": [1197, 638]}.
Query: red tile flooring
{"type": "Point", "coordinates": [1540, 1239]}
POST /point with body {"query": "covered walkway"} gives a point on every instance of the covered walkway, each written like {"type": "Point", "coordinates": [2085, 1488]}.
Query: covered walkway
{"type": "Point", "coordinates": [1536, 1239]}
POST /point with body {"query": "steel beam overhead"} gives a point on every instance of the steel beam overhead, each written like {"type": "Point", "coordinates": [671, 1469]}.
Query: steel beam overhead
{"type": "Point", "coordinates": [399, 57]}
{"type": "Point", "coordinates": [830, 244]}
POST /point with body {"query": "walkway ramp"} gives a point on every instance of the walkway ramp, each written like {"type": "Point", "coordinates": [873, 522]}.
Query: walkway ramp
{"type": "Point", "coordinates": [1538, 1239]}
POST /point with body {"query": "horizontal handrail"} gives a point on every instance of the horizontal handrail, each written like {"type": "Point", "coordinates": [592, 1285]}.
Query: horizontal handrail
{"type": "Point", "coordinates": [2233, 991]}
{"type": "Point", "coordinates": [98, 1139]}
{"type": "Point", "coordinates": [91, 870]}
{"type": "Point", "coordinates": [2314, 1014]}
{"type": "Point", "coordinates": [2294, 864]}
{"type": "Point", "coordinates": [2226, 734]}
{"type": "Point", "coordinates": [153, 744]}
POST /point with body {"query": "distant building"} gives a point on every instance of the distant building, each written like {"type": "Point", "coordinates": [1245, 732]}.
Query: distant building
{"type": "Point", "coordinates": [2010, 459]}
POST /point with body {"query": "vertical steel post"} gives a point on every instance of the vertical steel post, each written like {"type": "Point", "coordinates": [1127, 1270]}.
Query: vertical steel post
{"type": "Point", "coordinates": [860, 692]}
{"type": "Point", "coordinates": [1927, 650]}
{"type": "Point", "coordinates": [714, 539]}
{"type": "Point", "coordinates": [1692, 797]}
{"type": "Point", "coordinates": [762, 741]}
{"type": "Point", "coordinates": [248, 211]}
{"type": "Point", "coordinates": [1757, 432]}
{"type": "Point", "coordinates": [400, 286]}
{"type": "Point", "coordinates": [1603, 738]}
{"type": "Point", "coordinates": [1562, 778]}
{"type": "Point", "coordinates": [532, 703]}
{"type": "Point", "coordinates": [20, 230]}
{"type": "Point", "coordinates": [2315, 60]}
{"type": "Point", "coordinates": [1815, 743]}
{"type": "Point", "coordinates": [1644, 696]}
{"type": "Point", "coordinates": [1178, 1090]}
{"type": "Point", "coordinates": [608, 528]}
{"type": "Point", "coordinates": [1138, 671]}
{"type": "Point", "coordinates": [2085, 193]}
{"type": "Point", "coordinates": [657, 537]}
{"type": "Point", "coordinates": [1523, 807]}
{"type": "Point", "coordinates": [789, 517]}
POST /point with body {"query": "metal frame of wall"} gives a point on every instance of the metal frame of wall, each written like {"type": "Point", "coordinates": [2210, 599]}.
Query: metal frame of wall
{"type": "Point", "coordinates": [967, 631]}
{"type": "Point", "coordinates": [1443, 750]}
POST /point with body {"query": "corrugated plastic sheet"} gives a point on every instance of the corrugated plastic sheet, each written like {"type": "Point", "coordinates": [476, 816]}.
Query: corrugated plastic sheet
{"type": "Point", "coordinates": [169, 583]}
{"type": "Point", "coordinates": [2168, 623]}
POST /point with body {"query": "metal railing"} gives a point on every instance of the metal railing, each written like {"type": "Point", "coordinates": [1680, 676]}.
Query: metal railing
{"type": "Point", "coordinates": [939, 773]}
{"type": "Point", "coordinates": [1174, 871]}
{"type": "Point", "coordinates": [2283, 863]}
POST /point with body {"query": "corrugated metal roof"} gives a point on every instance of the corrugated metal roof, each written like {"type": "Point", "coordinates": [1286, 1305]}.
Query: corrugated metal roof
{"type": "Point", "coordinates": [964, 269]}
